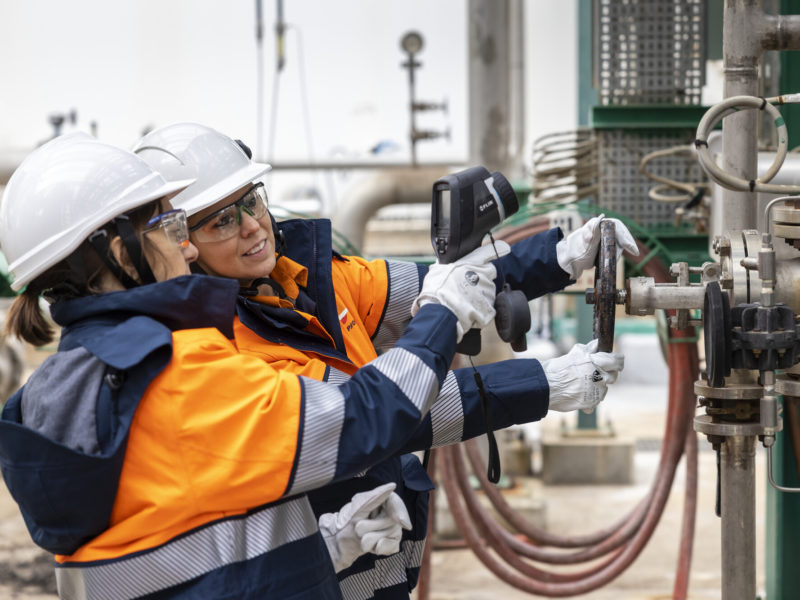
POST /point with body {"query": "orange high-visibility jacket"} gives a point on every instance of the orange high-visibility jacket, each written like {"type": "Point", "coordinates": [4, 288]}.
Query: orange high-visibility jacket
{"type": "Point", "coordinates": [335, 312]}
{"type": "Point", "coordinates": [155, 458]}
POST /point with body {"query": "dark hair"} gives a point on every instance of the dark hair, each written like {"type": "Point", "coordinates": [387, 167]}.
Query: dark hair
{"type": "Point", "coordinates": [76, 276]}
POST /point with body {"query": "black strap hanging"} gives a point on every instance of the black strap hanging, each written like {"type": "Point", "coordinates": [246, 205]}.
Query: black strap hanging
{"type": "Point", "coordinates": [493, 471]}
{"type": "Point", "coordinates": [99, 241]}
{"type": "Point", "coordinates": [131, 242]}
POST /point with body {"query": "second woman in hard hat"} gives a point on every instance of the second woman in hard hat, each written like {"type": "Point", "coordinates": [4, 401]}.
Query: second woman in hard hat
{"type": "Point", "coordinates": [304, 308]}
{"type": "Point", "coordinates": [150, 455]}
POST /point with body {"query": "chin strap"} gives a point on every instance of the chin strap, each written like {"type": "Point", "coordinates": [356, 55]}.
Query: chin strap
{"type": "Point", "coordinates": [252, 289]}
{"type": "Point", "coordinates": [280, 240]}
{"type": "Point", "coordinates": [134, 247]}
{"type": "Point", "coordinates": [100, 242]}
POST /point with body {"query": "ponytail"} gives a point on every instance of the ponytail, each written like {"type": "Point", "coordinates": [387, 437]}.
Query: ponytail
{"type": "Point", "coordinates": [80, 274]}
{"type": "Point", "coordinates": [26, 320]}
{"type": "Point", "coordinates": [77, 275]}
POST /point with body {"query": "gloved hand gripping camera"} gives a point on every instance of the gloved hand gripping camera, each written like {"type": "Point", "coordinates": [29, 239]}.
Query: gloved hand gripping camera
{"type": "Point", "coordinates": [466, 205]}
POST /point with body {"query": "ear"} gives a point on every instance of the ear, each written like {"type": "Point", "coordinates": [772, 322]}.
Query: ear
{"type": "Point", "coordinates": [120, 254]}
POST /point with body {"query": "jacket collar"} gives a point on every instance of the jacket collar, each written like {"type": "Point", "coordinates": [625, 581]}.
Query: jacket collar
{"type": "Point", "coordinates": [309, 243]}
{"type": "Point", "coordinates": [186, 302]}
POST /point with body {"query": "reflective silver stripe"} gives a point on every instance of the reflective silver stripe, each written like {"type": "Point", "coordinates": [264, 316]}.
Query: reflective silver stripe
{"type": "Point", "coordinates": [414, 378]}
{"type": "Point", "coordinates": [323, 416]}
{"type": "Point", "coordinates": [447, 413]}
{"type": "Point", "coordinates": [187, 557]}
{"type": "Point", "coordinates": [387, 572]}
{"type": "Point", "coordinates": [501, 209]}
{"type": "Point", "coordinates": [404, 286]}
{"type": "Point", "coordinates": [335, 376]}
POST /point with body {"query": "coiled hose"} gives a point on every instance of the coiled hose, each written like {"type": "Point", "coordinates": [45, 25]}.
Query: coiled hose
{"type": "Point", "coordinates": [618, 545]}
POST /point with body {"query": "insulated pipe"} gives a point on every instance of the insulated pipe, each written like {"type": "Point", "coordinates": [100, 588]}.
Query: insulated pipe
{"type": "Point", "coordinates": [398, 186]}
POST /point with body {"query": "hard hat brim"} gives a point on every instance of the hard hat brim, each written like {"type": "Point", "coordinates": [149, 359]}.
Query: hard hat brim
{"type": "Point", "coordinates": [32, 264]}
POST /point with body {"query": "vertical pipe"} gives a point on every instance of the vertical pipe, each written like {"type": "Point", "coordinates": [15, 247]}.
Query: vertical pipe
{"type": "Point", "coordinates": [516, 86]}
{"type": "Point", "coordinates": [741, 49]}
{"type": "Point", "coordinates": [412, 99]}
{"type": "Point", "coordinates": [489, 89]}
{"type": "Point", "coordinates": [738, 499]}
{"type": "Point", "coordinates": [259, 80]}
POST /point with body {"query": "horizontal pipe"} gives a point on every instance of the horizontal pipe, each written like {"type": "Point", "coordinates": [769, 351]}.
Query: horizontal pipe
{"type": "Point", "coordinates": [334, 165]}
{"type": "Point", "coordinates": [780, 32]}
{"type": "Point", "coordinates": [645, 295]}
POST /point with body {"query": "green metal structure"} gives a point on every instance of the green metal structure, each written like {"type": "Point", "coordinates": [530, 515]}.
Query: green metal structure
{"type": "Point", "coordinates": [782, 549]}
{"type": "Point", "coordinates": [782, 552]}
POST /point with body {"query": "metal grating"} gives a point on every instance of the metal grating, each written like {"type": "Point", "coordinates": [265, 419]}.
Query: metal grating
{"type": "Point", "coordinates": [649, 51]}
{"type": "Point", "coordinates": [623, 188]}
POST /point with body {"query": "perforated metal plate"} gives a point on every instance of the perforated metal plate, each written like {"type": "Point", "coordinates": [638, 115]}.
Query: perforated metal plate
{"type": "Point", "coordinates": [623, 188]}
{"type": "Point", "coordinates": [649, 51]}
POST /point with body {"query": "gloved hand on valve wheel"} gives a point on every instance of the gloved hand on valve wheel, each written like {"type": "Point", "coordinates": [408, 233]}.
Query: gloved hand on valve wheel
{"type": "Point", "coordinates": [371, 522]}
{"type": "Point", "coordinates": [465, 286]}
{"type": "Point", "coordinates": [579, 379]}
{"type": "Point", "coordinates": [577, 252]}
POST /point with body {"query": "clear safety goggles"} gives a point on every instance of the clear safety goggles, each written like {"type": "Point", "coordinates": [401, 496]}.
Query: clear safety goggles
{"type": "Point", "coordinates": [174, 225]}
{"type": "Point", "coordinates": [225, 223]}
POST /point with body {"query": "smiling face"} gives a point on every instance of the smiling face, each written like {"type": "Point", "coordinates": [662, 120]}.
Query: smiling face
{"type": "Point", "coordinates": [247, 255]}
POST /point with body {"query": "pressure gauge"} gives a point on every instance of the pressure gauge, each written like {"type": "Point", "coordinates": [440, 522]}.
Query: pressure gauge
{"type": "Point", "coordinates": [412, 42]}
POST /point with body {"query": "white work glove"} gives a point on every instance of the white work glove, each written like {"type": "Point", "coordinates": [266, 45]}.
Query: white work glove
{"type": "Point", "coordinates": [371, 522]}
{"type": "Point", "coordinates": [466, 287]}
{"type": "Point", "coordinates": [579, 379]}
{"type": "Point", "coordinates": [577, 252]}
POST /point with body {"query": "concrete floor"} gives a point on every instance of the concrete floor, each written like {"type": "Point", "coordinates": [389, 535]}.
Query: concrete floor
{"type": "Point", "coordinates": [637, 410]}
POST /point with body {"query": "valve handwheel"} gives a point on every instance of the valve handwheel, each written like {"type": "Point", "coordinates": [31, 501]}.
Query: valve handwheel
{"type": "Point", "coordinates": [717, 334]}
{"type": "Point", "coordinates": [605, 288]}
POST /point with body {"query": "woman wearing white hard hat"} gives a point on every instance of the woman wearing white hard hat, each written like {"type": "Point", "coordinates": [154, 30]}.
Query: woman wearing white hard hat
{"type": "Point", "coordinates": [306, 309]}
{"type": "Point", "coordinates": [149, 455]}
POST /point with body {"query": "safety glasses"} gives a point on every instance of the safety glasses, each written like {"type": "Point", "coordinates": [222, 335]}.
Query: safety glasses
{"type": "Point", "coordinates": [174, 225]}
{"type": "Point", "coordinates": [225, 223]}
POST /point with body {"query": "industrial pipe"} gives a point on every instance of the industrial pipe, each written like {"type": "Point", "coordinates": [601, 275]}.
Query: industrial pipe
{"type": "Point", "coordinates": [399, 186]}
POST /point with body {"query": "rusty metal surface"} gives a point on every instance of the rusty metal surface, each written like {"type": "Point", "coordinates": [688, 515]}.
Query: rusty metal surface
{"type": "Point", "coordinates": [605, 292]}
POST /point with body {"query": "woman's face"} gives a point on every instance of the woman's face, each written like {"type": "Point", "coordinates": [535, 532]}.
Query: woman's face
{"type": "Point", "coordinates": [249, 251]}
{"type": "Point", "coordinates": [166, 257]}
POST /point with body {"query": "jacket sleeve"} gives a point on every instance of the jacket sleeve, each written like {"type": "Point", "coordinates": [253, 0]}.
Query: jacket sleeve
{"type": "Point", "coordinates": [248, 434]}
{"type": "Point", "coordinates": [517, 392]}
{"type": "Point", "coordinates": [384, 291]}
{"type": "Point", "coordinates": [532, 266]}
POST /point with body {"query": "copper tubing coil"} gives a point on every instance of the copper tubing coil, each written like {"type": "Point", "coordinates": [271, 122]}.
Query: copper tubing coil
{"type": "Point", "coordinates": [624, 540]}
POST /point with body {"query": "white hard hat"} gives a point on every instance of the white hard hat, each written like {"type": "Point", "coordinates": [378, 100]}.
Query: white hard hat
{"type": "Point", "coordinates": [65, 190]}
{"type": "Point", "coordinates": [219, 163]}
